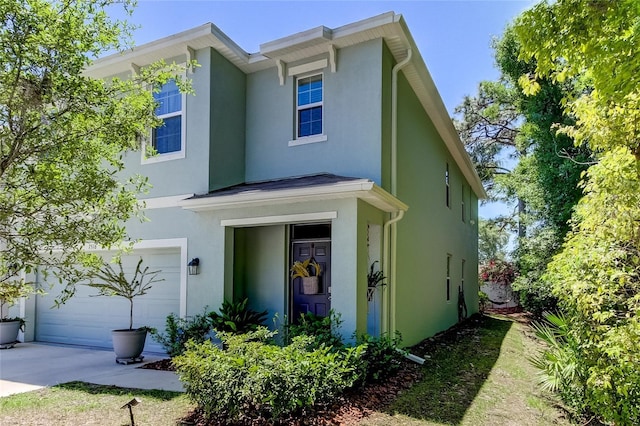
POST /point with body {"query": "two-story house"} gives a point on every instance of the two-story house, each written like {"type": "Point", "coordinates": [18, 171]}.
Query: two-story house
{"type": "Point", "coordinates": [331, 144]}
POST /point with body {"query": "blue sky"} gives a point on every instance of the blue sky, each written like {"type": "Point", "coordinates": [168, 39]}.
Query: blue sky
{"type": "Point", "coordinates": [454, 37]}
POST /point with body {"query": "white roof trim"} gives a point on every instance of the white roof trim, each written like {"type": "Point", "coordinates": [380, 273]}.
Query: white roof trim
{"type": "Point", "coordinates": [162, 202]}
{"type": "Point", "coordinates": [363, 189]}
{"type": "Point", "coordinates": [279, 219]}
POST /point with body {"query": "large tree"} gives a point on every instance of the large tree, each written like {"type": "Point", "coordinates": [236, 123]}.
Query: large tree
{"type": "Point", "coordinates": [63, 134]}
{"type": "Point", "coordinates": [501, 126]}
{"type": "Point", "coordinates": [597, 274]}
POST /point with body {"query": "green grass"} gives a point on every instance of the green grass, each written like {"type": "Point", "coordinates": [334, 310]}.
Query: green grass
{"type": "Point", "coordinates": [479, 376]}
{"type": "Point", "coordinates": [78, 403]}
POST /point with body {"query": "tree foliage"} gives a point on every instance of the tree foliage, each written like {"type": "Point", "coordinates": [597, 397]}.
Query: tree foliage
{"type": "Point", "coordinates": [503, 125]}
{"type": "Point", "coordinates": [63, 133]}
{"type": "Point", "coordinates": [492, 241]}
{"type": "Point", "coordinates": [596, 275]}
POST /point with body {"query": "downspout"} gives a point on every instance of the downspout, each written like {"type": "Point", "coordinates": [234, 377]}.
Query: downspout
{"type": "Point", "coordinates": [389, 229]}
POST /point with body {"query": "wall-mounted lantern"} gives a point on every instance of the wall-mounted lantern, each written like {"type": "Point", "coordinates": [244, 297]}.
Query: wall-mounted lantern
{"type": "Point", "coordinates": [193, 266]}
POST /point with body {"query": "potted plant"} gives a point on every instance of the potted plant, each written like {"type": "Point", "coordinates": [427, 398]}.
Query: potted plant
{"type": "Point", "coordinates": [11, 290]}
{"type": "Point", "coordinates": [127, 343]}
{"type": "Point", "coordinates": [309, 281]}
{"type": "Point", "coordinates": [375, 279]}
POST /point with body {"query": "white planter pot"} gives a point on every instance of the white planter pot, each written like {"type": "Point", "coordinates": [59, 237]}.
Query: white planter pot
{"type": "Point", "coordinates": [9, 333]}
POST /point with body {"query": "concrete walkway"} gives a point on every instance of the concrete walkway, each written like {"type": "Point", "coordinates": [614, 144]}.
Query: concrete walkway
{"type": "Point", "coordinates": [30, 366]}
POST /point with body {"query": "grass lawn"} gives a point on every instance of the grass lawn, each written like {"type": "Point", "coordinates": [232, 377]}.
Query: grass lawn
{"type": "Point", "coordinates": [478, 375]}
{"type": "Point", "coordinates": [78, 403]}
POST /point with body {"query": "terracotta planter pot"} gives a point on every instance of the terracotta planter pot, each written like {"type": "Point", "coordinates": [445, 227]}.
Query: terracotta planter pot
{"type": "Point", "coordinates": [9, 333]}
{"type": "Point", "coordinates": [128, 344]}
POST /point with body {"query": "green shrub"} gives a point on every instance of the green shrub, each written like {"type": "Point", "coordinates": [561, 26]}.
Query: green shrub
{"type": "Point", "coordinates": [483, 300]}
{"type": "Point", "coordinates": [382, 357]}
{"type": "Point", "coordinates": [236, 317]}
{"type": "Point", "coordinates": [324, 330]}
{"type": "Point", "coordinates": [178, 331]}
{"type": "Point", "coordinates": [253, 377]}
{"type": "Point", "coordinates": [562, 369]}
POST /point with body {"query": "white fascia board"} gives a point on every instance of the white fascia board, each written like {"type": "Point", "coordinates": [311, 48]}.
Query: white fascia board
{"type": "Point", "coordinates": [310, 37]}
{"type": "Point", "coordinates": [207, 35]}
{"type": "Point", "coordinates": [363, 189]}
{"type": "Point", "coordinates": [279, 219]}
{"type": "Point", "coordinates": [322, 35]}
{"type": "Point", "coordinates": [365, 24]}
{"type": "Point", "coordinates": [162, 202]}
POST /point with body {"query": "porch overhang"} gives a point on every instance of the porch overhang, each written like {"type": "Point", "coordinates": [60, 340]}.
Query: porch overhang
{"type": "Point", "coordinates": [263, 194]}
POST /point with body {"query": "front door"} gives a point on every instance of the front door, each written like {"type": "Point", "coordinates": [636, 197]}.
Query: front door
{"type": "Point", "coordinates": [318, 303]}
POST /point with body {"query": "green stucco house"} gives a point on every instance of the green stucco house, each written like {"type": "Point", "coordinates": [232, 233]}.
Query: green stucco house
{"type": "Point", "coordinates": [331, 144]}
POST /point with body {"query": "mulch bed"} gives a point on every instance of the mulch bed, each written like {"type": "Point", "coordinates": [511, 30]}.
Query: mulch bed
{"type": "Point", "coordinates": [163, 365]}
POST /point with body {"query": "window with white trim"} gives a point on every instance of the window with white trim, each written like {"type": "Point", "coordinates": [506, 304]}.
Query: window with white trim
{"type": "Point", "coordinates": [309, 105]}
{"type": "Point", "coordinates": [168, 139]}
{"type": "Point", "coordinates": [446, 183]}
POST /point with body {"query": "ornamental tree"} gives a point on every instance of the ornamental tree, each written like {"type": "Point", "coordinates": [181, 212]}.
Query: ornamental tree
{"type": "Point", "coordinates": [63, 134]}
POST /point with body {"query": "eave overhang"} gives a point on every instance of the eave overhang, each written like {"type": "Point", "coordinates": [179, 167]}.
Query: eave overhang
{"type": "Point", "coordinates": [362, 189]}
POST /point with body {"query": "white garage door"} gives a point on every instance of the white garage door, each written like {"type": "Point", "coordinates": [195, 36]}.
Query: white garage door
{"type": "Point", "coordinates": [88, 320]}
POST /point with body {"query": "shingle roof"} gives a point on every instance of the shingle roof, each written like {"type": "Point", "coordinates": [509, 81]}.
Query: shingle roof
{"type": "Point", "coordinates": [306, 181]}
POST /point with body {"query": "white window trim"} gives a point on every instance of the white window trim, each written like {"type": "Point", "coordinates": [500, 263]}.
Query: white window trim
{"type": "Point", "coordinates": [176, 155]}
{"type": "Point", "coordinates": [304, 140]}
{"type": "Point", "coordinates": [308, 139]}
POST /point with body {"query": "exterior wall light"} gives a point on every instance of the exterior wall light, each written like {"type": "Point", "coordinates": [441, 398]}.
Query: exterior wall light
{"type": "Point", "coordinates": [193, 266]}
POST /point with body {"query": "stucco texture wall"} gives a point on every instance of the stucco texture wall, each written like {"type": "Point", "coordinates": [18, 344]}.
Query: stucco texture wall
{"type": "Point", "coordinates": [352, 107]}
{"type": "Point", "coordinates": [430, 231]}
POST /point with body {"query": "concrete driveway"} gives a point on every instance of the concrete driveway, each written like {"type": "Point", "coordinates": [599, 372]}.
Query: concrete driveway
{"type": "Point", "coordinates": [30, 366]}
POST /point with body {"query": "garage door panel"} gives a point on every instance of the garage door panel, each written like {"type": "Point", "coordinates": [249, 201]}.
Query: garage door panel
{"type": "Point", "coordinates": [88, 320]}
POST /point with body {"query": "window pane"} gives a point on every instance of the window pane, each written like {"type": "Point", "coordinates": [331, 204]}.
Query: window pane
{"type": "Point", "coordinates": [316, 127]}
{"type": "Point", "coordinates": [305, 115]}
{"type": "Point", "coordinates": [303, 98]}
{"type": "Point", "coordinates": [309, 90]}
{"type": "Point", "coordinates": [168, 137]}
{"type": "Point", "coordinates": [169, 99]}
{"type": "Point", "coordinates": [305, 129]}
{"type": "Point", "coordinates": [310, 121]}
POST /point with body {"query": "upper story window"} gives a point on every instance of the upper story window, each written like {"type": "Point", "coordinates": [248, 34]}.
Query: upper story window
{"type": "Point", "coordinates": [168, 139]}
{"type": "Point", "coordinates": [464, 212]}
{"type": "Point", "coordinates": [309, 106]}
{"type": "Point", "coordinates": [168, 136]}
{"type": "Point", "coordinates": [446, 182]}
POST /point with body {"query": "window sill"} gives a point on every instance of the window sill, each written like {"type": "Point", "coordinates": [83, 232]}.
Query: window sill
{"type": "Point", "coordinates": [163, 157]}
{"type": "Point", "coordinates": [308, 139]}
